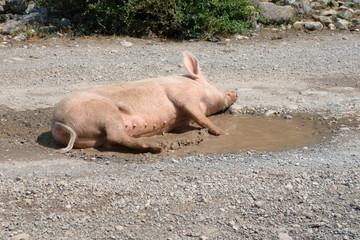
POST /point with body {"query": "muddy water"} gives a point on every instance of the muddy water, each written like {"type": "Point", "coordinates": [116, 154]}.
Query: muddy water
{"type": "Point", "coordinates": [262, 134]}
{"type": "Point", "coordinates": [246, 133]}
{"type": "Point", "coordinates": [29, 131]}
{"type": "Point", "coordinates": [259, 133]}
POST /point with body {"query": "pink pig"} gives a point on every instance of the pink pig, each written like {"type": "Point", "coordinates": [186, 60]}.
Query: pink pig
{"type": "Point", "coordinates": [122, 113]}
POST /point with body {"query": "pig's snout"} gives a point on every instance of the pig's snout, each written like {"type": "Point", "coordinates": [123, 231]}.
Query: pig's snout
{"type": "Point", "coordinates": [233, 96]}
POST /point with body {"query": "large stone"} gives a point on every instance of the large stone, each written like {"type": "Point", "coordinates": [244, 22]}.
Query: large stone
{"type": "Point", "coordinates": [355, 22]}
{"type": "Point", "coordinates": [39, 17]}
{"type": "Point", "coordinates": [301, 6]}
{"type": "Point", "coordinates": [284, 236]}
{"type": "Point", "coordinates": [316, 5]}
{"type": "Point", "coordinates": [273, 12]}
{"type": "Point", "coordinates": [329, 13]}
{"type": "Point", "coordinates": [311, 26]}
{"type": "Point", "coordinates": [3, 6]}
{"type": "Point", "coordinates": [349, 4]}
{"type": "Point", "coordinates": [64, 22]}
{"type": "Point", "coordinates": [299, 24]}
{"type": "Point", "coordinates": [10, 26]}
{"type": "Point", "coordinates": [31, 7]}
{"type": "Point", "coordinates": [323, 19]}
{"type": "Point", "coordinates": [16, 6]}
{"type": "Point", "coordinates": [341, 24]}
{"type": "Point", "coordinates": [347, 14]}
{"type": "Point", "coordinates": [323, 3]}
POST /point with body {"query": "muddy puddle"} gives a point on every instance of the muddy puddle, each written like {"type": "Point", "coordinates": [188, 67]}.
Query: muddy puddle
{"type": "Point", "coordinates": [25, 133]}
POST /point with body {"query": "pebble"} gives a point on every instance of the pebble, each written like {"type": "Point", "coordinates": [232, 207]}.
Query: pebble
{"type": "Point", "coordinates": [269, 113]}
{"type": "Point", "coordinates": [21, 236]}
{"type": "Point", "coordinates": [284, 236]}
{"type": "Point", "coordinates": [240, 37]}
{"type": "Point", "coordinates": [313, 92]}
{"type": "Point", "coordinates": [21, 37]}
{"type": "Point", "coordinates": [125, 43]}
{"type": "Point", "coordinates": [337, 225]}
{"type": "Point", "coordinates": [316, 224]}
{"type": "Point", "coordinates": [289, 186]}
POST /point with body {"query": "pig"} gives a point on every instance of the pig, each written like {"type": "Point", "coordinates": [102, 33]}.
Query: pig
{"type": "Point", "coordinates": [123, 113]}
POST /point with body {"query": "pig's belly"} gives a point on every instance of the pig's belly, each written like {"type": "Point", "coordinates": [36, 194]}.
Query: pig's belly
{"type": "Point", "coordinates": [142, 126]}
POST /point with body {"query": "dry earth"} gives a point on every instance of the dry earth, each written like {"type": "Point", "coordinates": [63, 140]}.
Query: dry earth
{"type": "Point", "coordinates": [306, 192]}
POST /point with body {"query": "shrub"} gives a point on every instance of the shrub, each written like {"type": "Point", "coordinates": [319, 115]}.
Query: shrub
{"type": "Point", "coordinates": [171, 18]}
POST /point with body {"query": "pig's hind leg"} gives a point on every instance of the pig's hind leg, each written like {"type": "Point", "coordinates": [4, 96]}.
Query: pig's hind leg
{"type": "Point", "coordinates": [116, 135]}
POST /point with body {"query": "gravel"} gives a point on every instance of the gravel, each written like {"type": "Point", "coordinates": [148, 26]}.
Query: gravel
{"type": "Point", "coordinates": [311, 192]}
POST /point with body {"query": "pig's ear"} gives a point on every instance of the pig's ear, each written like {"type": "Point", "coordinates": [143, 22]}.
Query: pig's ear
{"type": "Point", "coordinates": [192, 66]}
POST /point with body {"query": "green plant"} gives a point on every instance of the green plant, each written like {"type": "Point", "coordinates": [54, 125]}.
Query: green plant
{"type": "Point", "coordinates": [172, 18]}
{"type": "Point", "coordinates": [3, 17]}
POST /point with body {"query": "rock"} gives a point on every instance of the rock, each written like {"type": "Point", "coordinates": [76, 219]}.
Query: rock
{"type": "Point", "coordinates": [332, 27]}
{"type": "Point", "coordinates": [21, 37]}
{"type": "Point", "coordinates": [323, 19]}
{"type": "Point", "coordinates": [31, 7]}
{"type": "Point", "coordinates": [240, 37]}
{"type": "Point", "coordinates": [64, 22]}
{"type": "Point", "coordinates": [300, 6]}
{"type": "Point", "coordinates": [315, 5]}
{"type": "Point", "coordinates": [16, 6]}
{"type": "Point", "coordinates": [125, 43]}
{"type": "Point", "coordinates": [273, 12]}
{"type": "Point", "coordinates": [347, 14]}
{"type": "Point", "coordinates": [349, 4]}
{"type": "Point", "coordinates": [3, 6]}
{"type": "Point", "coordinates": [269, 113]}
{"type": "Point", "coordinates": [341, 24]}
{"type": "Point", "coordinates": [337, 225]}
{"type": "Point", "coordinates": [289, 2]}
{"type": "Point", "coordinates": [289, 186]}
{"type": "Point", "coordinates": [49, 28]}
{"type": "Point", "coordinates": [323, 3]}
{"type": "Point", "coordinates": [313, 92]}
{"type": "Point", "coordinates": [299, 24]}
{"type": "Point", "coordinates": [355, 22]}
{"type": "Point", "coordinates": [284, 236]}
{"type": "Point", "coordinates": [40, 16]}
{"type": "Point", "coordinates": [311, 26]}
{"type": "Point", "coordinates": [316, 224]}
{"type": "Point", "coordinates": [329, 13]}
{"type": "Point", "coordinates": [343, 8]}
{"type": "Point", "coordinates": [334, 3]}
{"type": "Point", "coordinates": [21, 236]}
{"type": "Point", "coordinates": [357, 12]}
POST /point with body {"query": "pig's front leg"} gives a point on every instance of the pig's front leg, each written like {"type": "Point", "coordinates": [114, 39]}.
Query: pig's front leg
{"type": "Point", "coordinates": [193, 110]}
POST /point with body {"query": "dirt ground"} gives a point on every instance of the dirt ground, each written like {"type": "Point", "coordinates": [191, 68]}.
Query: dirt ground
{"type": "Point", "coordinates": [289, 169]}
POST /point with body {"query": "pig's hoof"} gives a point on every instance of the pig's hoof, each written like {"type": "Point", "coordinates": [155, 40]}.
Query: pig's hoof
{"type": "Point", "coordinates": [155, 149]}
{"type": "Point", "coordinates": [216, 133]}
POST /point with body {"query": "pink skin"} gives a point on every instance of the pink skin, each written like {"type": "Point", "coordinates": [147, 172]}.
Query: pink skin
{"type": "Point", "coordinates": [120, 114]}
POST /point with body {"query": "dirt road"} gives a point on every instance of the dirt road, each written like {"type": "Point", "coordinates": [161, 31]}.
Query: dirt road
{"type": "Point", "coordinates": [307, 191]}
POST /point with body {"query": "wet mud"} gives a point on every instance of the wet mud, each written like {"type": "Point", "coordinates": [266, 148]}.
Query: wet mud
{"type": "Point", "coordinates": [25, 133]}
